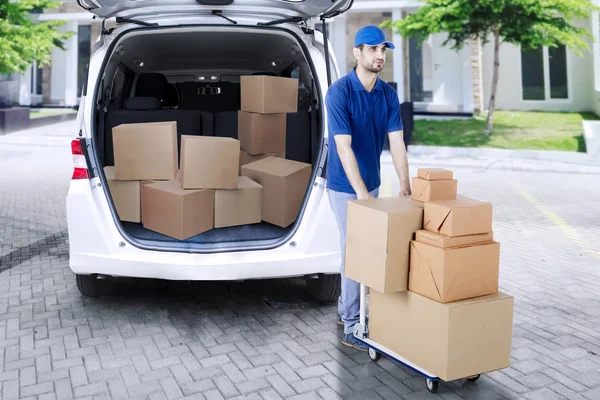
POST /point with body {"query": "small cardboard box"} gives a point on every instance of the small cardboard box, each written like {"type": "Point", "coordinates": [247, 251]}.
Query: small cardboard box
{"type": "Point", "coordinates": [175, 212]}
{"type": "Point", "coordinates": [262, 133]}
{"type": "Point", "coordinates": [459, 217]}
{"type": "Point", "coordinates": [434, 174]}
{"type": "Point", "coordinates": [125, 195]}
{"type": "Point", "coordinates": [265, 94]}
{"type": "Point", "coordinates": [453, 340]}
{"type": "Point", "coordinates": [444, 242]}
{"type": "Point", "coordinates": [284, 184]}
{"type": "Point", "coordinates": [145, 151]}
{"type": "Point", "coordinates": [378, 236]}
{"type": "Point", "coordinates": [423, 190]}
{"type": "Point", "coordinates": [241, 206]}
{"type": "Point", "coordinates": [209, 162]}
{"type": "Point", "coordinates": [246, 158]}
{"type": "Point", "coordinates": [453, 274]}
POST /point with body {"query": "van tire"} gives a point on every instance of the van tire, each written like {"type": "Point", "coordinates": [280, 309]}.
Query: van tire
{"type": "Point", "coordinates": [92, 286]}
{"type": "Point", "coordinates": [326, 288]}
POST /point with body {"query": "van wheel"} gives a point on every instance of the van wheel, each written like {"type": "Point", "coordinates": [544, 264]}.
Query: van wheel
{"type": "Point", "coordinates": [325, 288]}
{"type": "Point", "coordinates": [91, 285]}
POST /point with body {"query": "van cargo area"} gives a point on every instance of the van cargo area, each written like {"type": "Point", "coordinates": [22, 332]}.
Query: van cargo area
{"type": "Point", "coordinates": [210, 82]}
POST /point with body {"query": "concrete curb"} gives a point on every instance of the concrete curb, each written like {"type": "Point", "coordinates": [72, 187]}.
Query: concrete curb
{"type": "Point", "coordinates": [502, 154]}
{"type": "Point", "coordinates": [496, 164]}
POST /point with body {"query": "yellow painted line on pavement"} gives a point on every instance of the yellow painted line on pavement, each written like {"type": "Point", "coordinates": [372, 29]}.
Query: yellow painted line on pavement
{"type": "Point", "coordinates": [560, 223]}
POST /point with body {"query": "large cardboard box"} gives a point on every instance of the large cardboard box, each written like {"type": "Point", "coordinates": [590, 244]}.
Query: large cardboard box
{"type": "Point", "coordinates": [125, 195]}
{"type": "Point", "coordinates": [262, 133]}
{"type": "Point", "coordinates": [241, 206]}
{"type": "Point", "coordinates": [443, 241]}
{"type": "Point", "coordinates": [434, 174]}
{"type": "Point", "coordinates": [145, 151]}
{"type": "Point", "coordinates": [423, 190]}
{"type": "Point", "coordinates": [458, 217]}
{"type": "Point", "coordinates": [264, 94]}
{"type": "Point", "coordinates": [209, 162]}
{"type": "Point", "coordinates": [142, 184]}
{"type": "Point", "coordinates": [453, 340]}
{"type": "Point", "coordinates": [284, 184]}
{"type": "Point", "coordinates": [453, 274]}
{"type": "Point", "coordinates": [178, 213]}
{"type": "Point", "coordinates": [246, 158]}
{"type": "Point", "coordinates": [378, 236]}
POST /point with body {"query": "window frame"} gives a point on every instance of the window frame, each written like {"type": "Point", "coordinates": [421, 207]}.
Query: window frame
{"type": "Point", "coordinates": [547, 89]}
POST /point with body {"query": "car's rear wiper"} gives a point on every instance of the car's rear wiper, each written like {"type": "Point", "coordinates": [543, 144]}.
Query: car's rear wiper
{"type": "Point", "coordinates": [135, 21]}
{"type": "Point", "coordinates": [281, 21]}
{"type": "Point", "coordinates": [219, 13]}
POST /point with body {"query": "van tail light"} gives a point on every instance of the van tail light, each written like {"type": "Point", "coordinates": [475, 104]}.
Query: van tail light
{"type": "Point", "coordinates": [80, 170]}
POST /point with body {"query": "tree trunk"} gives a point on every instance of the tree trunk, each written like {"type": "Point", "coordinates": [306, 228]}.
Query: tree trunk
{"type": "Point", "coordinates": [490, 123]}
{"type": "Point", "coordinates": [477, 76]}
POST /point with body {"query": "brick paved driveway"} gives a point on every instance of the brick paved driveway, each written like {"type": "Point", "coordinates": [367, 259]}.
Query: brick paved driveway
{"type": "Point", "coordinates": [268, 340]}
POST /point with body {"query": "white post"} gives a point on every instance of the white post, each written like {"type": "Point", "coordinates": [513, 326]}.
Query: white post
{"type": "Point", "coordinates": [398, 56]}
{"type": "Point", "coordinates": [596, 48]}
{"type": "Point", "coordinates": [70, 89]}
{"type": "Point", "coordinates": [338, 42]}
{"type": "Point", "coordinates": [25, 88]}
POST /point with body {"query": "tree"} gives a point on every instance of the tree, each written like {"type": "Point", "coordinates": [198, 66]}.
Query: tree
{"type": "Point", "coordinates": [22, 40]}
{"type": "Point", "coordinates": [529, 23]}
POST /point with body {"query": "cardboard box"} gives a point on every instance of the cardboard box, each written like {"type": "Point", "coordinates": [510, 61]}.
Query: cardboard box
{"type": "Point", "coordinates": [125, 196]}
{"type": "Point", "coordinates": [458, 217]}
{"type": "Point", "coordinates": [264, 94]}
{"type": "Point", "coordinates": [284, 184]}
{"type": "Point", "coordinates": [241, 206]}
{"type": "Point", "coordinates": [262, 133]}
{"type": "Point", "coordinates": [145, 151]}
{"type": "Point", "coordinates": [453, 274]}
{"type": "Point", "coordinates": [423, 190]}
{"type": "Point", "coordinates": [209, 162]}
{"type": "Point", "coordinates": [378, 236]}
{"type": "Point", "coordinates": [434, 174]}
{"type": "Point", "coordinates": [443, 241]}
{"type": "Point", "coordinates": [178, 213]}
{"type": "Point", "coordinates": [453, 340]}
{"type": "Point", "coordinates": [246, 158]}
{"type": "Point", "coordinates": [142, 184]}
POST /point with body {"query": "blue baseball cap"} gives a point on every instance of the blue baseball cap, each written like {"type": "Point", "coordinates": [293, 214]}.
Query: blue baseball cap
{"type": "Point", "coordinates": [371, 35]}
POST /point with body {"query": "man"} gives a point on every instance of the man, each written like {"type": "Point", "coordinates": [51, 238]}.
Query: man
{"type": "Point", "coordinates": [361, 110]}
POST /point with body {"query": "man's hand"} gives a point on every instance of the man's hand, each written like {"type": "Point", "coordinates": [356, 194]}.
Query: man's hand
{"type": "Point", "coordinates": [398, 150]}
{"type": "Point", "coordinates": [365, 196]}
{"type": "Point", "coordinates": [405, 190]}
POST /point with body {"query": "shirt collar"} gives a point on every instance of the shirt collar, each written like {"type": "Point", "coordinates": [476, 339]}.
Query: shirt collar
{"type": "Point", "coordinates": [358, 86]}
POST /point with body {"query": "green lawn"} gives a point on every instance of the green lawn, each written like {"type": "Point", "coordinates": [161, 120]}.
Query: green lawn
{"type": "Point", "coordinates": [512, 130]}
{"type": "Point", "coordinates": [38, 113]}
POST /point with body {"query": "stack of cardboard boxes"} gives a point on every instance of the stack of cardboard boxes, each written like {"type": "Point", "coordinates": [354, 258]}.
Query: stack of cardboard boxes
{"type": "Point", "coordinates": [210, 190]}
{"type": "Point", "coordinates": [432, 267]}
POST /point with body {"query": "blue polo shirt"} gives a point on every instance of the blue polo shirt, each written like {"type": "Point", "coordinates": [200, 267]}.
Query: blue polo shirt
{"type": "Point", "coordinates": [368, 118]}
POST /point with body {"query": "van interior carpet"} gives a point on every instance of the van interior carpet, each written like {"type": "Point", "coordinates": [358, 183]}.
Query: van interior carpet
{"type": "Point", "coordinates": [261, 231]}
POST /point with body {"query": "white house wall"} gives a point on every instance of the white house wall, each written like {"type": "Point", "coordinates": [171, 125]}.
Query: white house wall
{"type": "Point", "coordinates": [580, 74]}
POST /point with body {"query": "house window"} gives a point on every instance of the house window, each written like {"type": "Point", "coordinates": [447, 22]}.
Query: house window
{"type": "Point", "coordinates": [36, 79]}
{"type": "Point", "coordinates": [544, 74]}
{"type": "Point", "coordinates": [84, 34]}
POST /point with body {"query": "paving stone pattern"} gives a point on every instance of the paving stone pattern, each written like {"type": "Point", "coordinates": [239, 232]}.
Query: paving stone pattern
{"type": "Point", "coordinates": [267, 340]}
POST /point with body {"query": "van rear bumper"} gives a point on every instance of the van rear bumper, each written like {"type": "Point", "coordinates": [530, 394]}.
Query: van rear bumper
{"type": "Point", "coordinates": [97, 247]}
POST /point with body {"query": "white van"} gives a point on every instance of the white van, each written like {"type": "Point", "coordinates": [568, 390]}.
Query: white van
{"type": "Point", "coordinates": [163, 52]}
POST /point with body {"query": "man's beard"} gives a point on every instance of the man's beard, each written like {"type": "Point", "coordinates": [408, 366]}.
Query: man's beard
{"type": "Point", "coordinates": [373, 68]}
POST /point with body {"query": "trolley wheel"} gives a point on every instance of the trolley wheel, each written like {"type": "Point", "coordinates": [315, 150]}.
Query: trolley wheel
{"type": "Point", "coordinates": [432, 385]}
{"type": "Point", "coordinates": [373, 355]}
{"type": "Point", "coordinates": [473, 378]}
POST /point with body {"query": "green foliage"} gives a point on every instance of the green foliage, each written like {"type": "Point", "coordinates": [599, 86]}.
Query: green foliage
{"type": "Point", "coordinates": [22, 40]}
{"type": "Point", "coordinates": [529, 23]}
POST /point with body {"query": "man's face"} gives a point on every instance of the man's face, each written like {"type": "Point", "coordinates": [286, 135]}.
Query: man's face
{"type": "Point", "coordinates": [371, 58]}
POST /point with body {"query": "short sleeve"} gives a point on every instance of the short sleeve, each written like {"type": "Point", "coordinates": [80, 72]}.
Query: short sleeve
{"type": "Point", "coordinates": [337, 114]}
{"type": "Point", "coordinates": [394, 120]}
